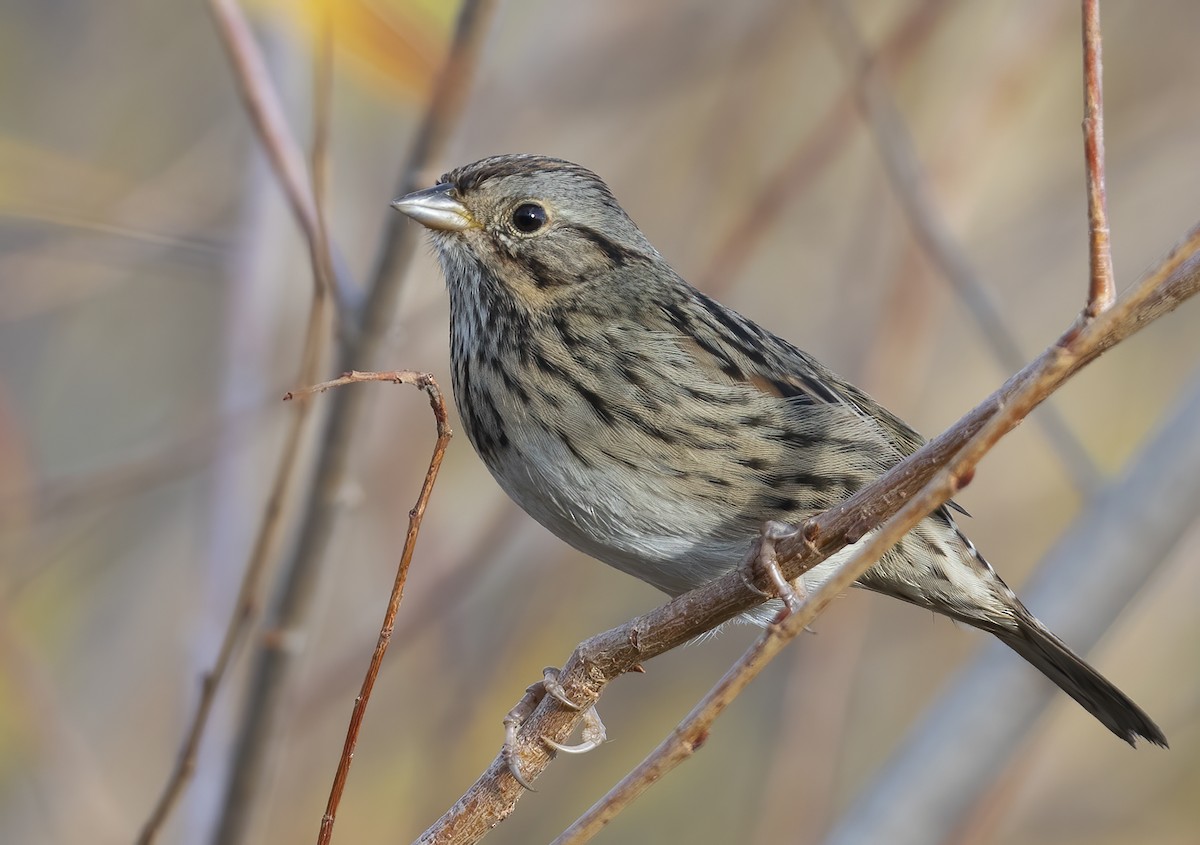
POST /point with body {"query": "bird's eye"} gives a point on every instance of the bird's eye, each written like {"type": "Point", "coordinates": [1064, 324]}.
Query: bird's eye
{"type": "Point", "coordinates": [528, 217]}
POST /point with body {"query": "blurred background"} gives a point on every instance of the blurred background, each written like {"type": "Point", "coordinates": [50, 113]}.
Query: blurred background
{"type": "Point", "coordinates": [153, 294]}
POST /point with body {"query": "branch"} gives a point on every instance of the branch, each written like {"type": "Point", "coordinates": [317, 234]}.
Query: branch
{"type": "Point", "coordinates": [606, 656]}
{"type": "Point", "coordinates": [1102, 291]}
{"type": "Point", "coordinates": [266, 114]}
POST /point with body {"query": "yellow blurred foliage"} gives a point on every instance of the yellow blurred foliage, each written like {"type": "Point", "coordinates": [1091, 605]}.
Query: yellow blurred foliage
{"type": "Point", "coordinates": [398, 42]}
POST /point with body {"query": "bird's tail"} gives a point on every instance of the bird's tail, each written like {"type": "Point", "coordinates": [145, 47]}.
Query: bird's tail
{"type": "Point", "coordinates": [1054, 659]}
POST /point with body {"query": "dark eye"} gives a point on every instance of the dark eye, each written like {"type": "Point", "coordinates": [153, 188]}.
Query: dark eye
{"type": "Point", "coordinates": [528, 217]}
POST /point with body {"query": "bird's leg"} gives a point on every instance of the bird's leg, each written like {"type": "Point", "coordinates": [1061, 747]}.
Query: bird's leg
{"type": "Point", "coordinates": [763, 560]}
{"type": "Point", "coordinates": [593, 728]}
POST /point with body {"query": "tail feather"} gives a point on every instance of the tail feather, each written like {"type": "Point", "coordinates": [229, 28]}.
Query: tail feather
{"type": "Point", "coordinates": [1054, 659]}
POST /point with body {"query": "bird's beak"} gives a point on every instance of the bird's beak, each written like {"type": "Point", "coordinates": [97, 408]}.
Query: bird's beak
{"type": "Point", "coordinates": [436, 208]}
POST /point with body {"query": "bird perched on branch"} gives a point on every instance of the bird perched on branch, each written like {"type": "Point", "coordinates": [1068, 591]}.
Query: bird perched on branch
{"type": "Point", "coordinates": [657, 430]}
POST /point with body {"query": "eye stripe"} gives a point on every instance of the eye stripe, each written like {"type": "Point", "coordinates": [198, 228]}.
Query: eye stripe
{"type": "Point", "coordinates": [616, 254]}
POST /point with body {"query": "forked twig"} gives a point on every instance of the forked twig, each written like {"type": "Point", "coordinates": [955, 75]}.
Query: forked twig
{"type": "Point", "coordinates": [438, 404]}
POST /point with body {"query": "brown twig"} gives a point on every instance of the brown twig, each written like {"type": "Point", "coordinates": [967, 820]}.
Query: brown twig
{"type": "Point", "coordinates": [911, 185]}
{"type": "Point", "coordinates": [298, 580]}
{"type": "Point", "coordinates": [281, 148]}
{"type": "Point", "coordinates": [606, 656]}
{"type": "Point", "coordinates": [426, 383]}
{"type": "Point", "coordinates": [1102, 290]}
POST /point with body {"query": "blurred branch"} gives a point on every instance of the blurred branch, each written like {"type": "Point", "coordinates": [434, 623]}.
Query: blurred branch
{"type": "Point", "coordinates": [316, 338]}
{"type": "Point", "coordinates": [1102, 291]}
{"type": "Point", "coordinates": [279, 143]}
{"type": "Point", "coordinates": [438, 404]}
{"type": "Point", "coordinates": [299, 578]}
{"type": "Point", "coordinates": [953, 756]}
{"type": "Point", "coordinates": [911, 184]}
{"type": "Point", "coordinates": [817, 150]}
{"type": "Point", "coordinates": [902, 496]}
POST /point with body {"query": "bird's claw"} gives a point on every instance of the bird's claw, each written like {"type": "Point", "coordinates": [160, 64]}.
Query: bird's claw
{"type": "Point", "coordinates": [593, 728]}
{"type": "Point", "coordinates": [593, 735]}
{"type": "Point", "coordinates": [554, 689]}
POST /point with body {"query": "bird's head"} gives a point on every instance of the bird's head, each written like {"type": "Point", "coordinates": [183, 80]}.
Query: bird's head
{"type": "Point", "coordinates": [542, 230]}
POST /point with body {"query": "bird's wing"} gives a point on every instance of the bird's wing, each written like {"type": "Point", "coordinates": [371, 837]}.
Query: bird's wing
{"type": "Point", "coordinates": [775, 366]}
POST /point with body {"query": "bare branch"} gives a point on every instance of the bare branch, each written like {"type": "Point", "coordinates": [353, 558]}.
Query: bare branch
{"type": "Point", "coordinates": [438, 403]}
{"type": "Point", "coordinates": [1102, 290]}
{"type": "Point", "coordinates": [266, 113]}
{"type": "Point", "coordinates": [605, 656]}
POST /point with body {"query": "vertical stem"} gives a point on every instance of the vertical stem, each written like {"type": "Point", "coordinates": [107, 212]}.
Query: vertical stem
{"type": "Point", "coordinates": [1101, 287]}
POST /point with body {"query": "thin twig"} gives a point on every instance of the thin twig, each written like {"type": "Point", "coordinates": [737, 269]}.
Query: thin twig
{"type": "Point", "coordinates": [1102, 289]}
{"type": "Point", "coordinates": [278, 142]}
{"type": "Point", "coordinates": [426, 383]}
{"type": "Point", "coordinates": [911, 185]}
{"type": "Point", "coordinates": [612, 653]}
{"type": "Point", "coordinates": [298, 580]}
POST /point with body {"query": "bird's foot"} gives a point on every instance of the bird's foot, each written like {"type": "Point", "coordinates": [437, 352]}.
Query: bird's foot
{"type": "Point", "coordinates": [593, 729]}
{"type": "Point", "coordinates": [763, 560]}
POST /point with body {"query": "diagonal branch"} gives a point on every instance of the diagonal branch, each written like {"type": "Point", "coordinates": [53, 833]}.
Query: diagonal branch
{"type": "Point", "coordinates": [741, 240]}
